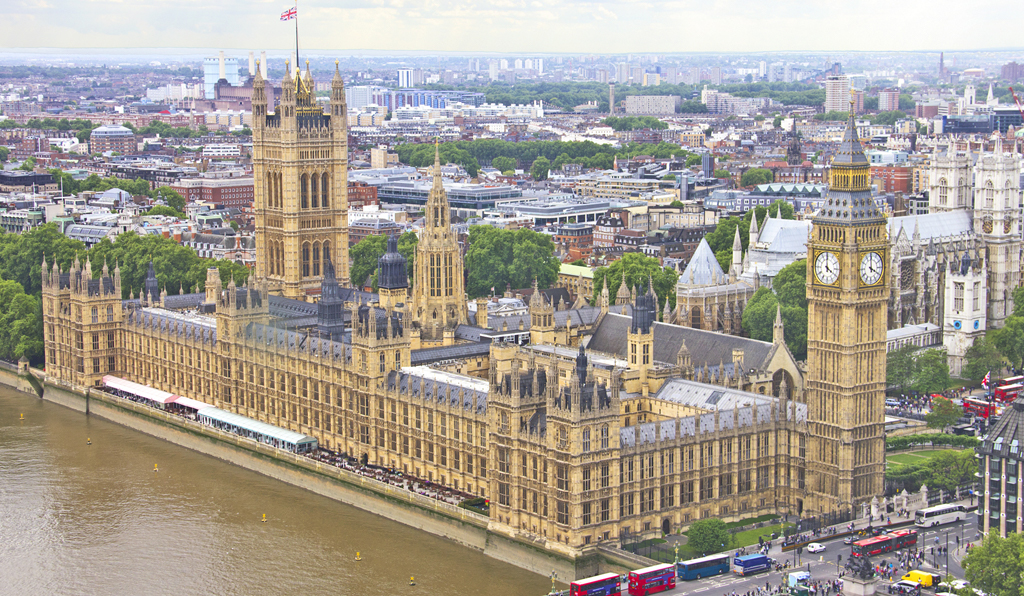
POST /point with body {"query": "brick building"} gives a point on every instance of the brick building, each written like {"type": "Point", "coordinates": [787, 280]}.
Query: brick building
{"type": "Point", "coordinates": [112, 137]}
{"type": "Point", "coordinates": [361, 194]}
{"type": "Point", "coordinates": [223, 192]}
{"type": "Point", "coordinates": [893, 178]}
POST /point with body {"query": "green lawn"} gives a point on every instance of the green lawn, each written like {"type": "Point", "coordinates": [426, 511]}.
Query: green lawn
{"type": "Point", "coordinates": [748, 537]}
{"type": "Point", "coordinates": [914, 457]}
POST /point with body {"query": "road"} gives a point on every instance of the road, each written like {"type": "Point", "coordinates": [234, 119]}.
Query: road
{"type": "Point", "coordinates": [822, 566]}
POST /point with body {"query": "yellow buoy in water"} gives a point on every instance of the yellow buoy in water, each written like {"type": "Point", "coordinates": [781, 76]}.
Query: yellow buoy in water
{"type": "Point", "coordinates": [155, 469]}
{"type": "Point", "coordinates": [88, 441]}
{"type": "Point", "coordinates": [412, 581]}
{"type": "Point", "coordinates": [358, 558]}
{"type": "Point", "coordinates": [22, 416]}
{"type": "Point", "coordinates": [264, 518]}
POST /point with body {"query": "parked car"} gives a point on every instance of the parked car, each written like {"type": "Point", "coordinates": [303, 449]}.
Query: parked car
{"type": "Point", "coordinates": [906, 588]}
{"type": "Point", "coordinates": [892, 402]}
{"type": "Point", "coordinates": [815, 547]}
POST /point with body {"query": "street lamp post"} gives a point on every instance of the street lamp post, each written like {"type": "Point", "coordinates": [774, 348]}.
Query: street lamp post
{"type": "Point", "coordinates": [553, 576]}
{"type": "Point", "coordinates": [677, 553]}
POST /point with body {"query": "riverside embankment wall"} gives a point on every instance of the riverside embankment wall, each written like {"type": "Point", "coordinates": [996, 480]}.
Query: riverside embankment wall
{"type": "Point", "coordinates": [406, 507]}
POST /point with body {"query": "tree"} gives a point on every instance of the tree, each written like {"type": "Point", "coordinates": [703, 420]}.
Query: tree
{"type": "Point", "coordinates": [541, 167]}
{"type": "Point", "coordinates": [579, 263]}
{"type": "Point", "coordinates": [721, 174]}
{"type": "Point", "coordinates": [790, 284]}
{"type": "Point", "coordinates": [900, 367]}
{"type": "Point", "coordinates": [499, 258]}
{"type": "Point", "coordinates": [28, 165]}
{"type": "Point", "coordinates": [708, 536]}
{"type": "Point", "coordinates": [777, 122]}
{"type": "Point", "coordinates": [996, 565]}
{"type": "Point", "coordinates": [503, 163]}
{"type": "Point", "coordinates": [4, 152]}
{"type": "Point", "coordinates": [170, 196]}
{"type": "Point", "coordinates": [982, 357]}
{"type": "Point", "coordinates": [165, 210]}
{"type": "Point", "coordinates": [669, 177]}
{"type": "Point", "coordinates": [759, 314]}
{"type": "Point", "coordinates": [932, 371]}
{"type": "Point", "coordinates": [364, 257]}
{"type": "Point", "coordinates": [944, 413]}
{"type": "Point", "coordinates": [755, 176]}
{"type": "Point", "coordinates": [21, 255]}
{"type": "Point", "coordinates": [785, 206]}
{"type": "Point", "coordinates": [1010, 340]}
{"type": "Point", "coordinates": [639, 270]}
{"type": "Point", "coordinates": [1018, 301]}
{"type": "Point", "coordinates": [21, 323]}
{"type": "Point", "coordinates": [676, 204]}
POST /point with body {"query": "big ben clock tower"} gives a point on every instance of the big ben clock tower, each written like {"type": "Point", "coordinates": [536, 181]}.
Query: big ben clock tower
{"type": "Point", "coordinates": [847, 292]}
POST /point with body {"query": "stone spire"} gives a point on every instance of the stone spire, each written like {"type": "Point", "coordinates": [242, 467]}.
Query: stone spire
{"type": "Point", "coordinates": [754, 232]}
{"type": "Point", "coordinates": [603, 301]}
{"type": "Point", "coordinates": [622, 296]}
{"type": "Point", "coordinates": [778, 335]}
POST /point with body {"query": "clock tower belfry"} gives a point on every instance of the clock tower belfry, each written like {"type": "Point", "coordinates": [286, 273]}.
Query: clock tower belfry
{"type": "Point", "coordinates": [847, 295]}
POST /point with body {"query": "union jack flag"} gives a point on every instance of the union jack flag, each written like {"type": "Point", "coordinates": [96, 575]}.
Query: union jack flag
{"type": "Point", "coordinates": [289, 14]}
{"type": "Point", "coordinates": [987, 379]}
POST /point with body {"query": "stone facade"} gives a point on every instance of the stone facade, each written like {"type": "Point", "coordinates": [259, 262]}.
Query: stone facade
{"type": "Point", "coordinates": [300, 165]}
{"type": "Point", "coordinates": [847, 294]}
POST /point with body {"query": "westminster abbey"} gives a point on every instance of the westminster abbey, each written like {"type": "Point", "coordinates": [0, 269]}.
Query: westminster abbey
{"type": "Point", "coordinates": [598, 424]}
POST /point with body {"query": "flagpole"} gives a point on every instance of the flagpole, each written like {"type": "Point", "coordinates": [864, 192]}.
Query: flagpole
{"type": "Point", "coordinates": [297, 36]}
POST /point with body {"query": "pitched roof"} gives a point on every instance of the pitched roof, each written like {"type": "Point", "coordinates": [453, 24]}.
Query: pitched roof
{"type": "Point", "coordinates": [934, 225]}
{"type": "Point", "coordinates": [706, 347]}
{"type": "Point", "coordinates": [703, 267]}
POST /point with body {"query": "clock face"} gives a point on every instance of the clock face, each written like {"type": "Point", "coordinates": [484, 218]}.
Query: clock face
{"type": "Point", "coordinates": [826, 268]}
{"type": "Point", "coordinates": [871, 268]}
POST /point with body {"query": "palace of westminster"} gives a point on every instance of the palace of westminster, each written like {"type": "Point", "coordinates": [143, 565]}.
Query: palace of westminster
{"type": "Point", "coordinates": [590, 425]}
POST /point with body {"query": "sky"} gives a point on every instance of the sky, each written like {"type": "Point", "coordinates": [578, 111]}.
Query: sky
{"type": "Point", "coordinates": [537, 26]}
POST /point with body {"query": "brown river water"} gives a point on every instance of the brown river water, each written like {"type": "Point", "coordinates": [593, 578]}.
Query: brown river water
{"type": "Point", "coordinates": [97, 520]}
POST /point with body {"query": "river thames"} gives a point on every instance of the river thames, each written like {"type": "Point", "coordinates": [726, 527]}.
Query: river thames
{"type": "Point", "coordinates": [96, 519]}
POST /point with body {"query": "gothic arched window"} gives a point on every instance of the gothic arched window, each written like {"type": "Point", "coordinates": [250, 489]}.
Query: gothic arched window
{"type": "Point", "coordinates": [324, 188]}
{"type": "Point", "coordinates": [326, 252]}
{"type": "Point", "coordinates": [305, 260]}
{"type": "Point", "coordinates": [316, 258]}
{"type": "Point", "coordinates": [304, 191]}
{"type": "Point", "coordinates": [961, 195]}
{"type": "Point", "coordinates": [943, 191]}
{"type": "Point", "coordinates": [990, 195]}
{"type": "Point", "coordinates": [314, 194]}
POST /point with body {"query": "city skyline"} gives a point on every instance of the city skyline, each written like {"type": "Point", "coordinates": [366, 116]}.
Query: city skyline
{"type": "Point", "coordinates": [560, 27]}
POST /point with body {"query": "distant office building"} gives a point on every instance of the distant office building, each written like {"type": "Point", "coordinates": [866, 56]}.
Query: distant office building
{"type": "Point", "coordinates": [360, 96]}
{"type": "Point", "coordinates": [837, 93]}
{"type": "Point", "coordinates": [716, 75]}
{"type": "Point", "coordinates": [405, 78]}
{"type": "Point", "coordinates": [112, 137]}
{"type": "Point", "coordinates": [707, 165]}
{"type": "Point", "coordinates": [652, 79]}
{"type": "Point", "coordinates": [216, 69]}
{"type": "Point", "coordinates": [652, 104]}
{"type": "Point", "coordinates": [1012, 72]}
{"type": "Point", "coordinates": [888, 100]}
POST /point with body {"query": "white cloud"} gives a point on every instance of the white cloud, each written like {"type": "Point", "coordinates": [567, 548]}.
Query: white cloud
{"type": "Point", "coordinates": [591, 26]}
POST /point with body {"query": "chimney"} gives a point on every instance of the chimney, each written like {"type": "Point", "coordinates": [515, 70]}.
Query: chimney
{"type": "Point", "coordinates": [263, 63]}
{"type": "Point", "coordinates": [223, 73]}
{"type": "Point", "coordinates": [252, 64]}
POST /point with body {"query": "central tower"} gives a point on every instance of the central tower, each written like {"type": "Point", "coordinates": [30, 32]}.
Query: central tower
{"type": "Point", "coordinates": [847, 294]}
{"type": "Point", "coordinates": [300, 156]}
{"type": "Point", "coordinates": [439, 290]}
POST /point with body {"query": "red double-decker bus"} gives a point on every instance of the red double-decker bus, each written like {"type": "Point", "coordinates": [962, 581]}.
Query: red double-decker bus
{"type": "Point", "coordinates": [981, 408]}
{"type": "Point", "coordinates": [649, 580]}
{"type": "Point", "coordinates": [1010, 381]}
{"type": "Point", "coordinates": [1007, 393]}
{"type": "Point", "coordinates": [600, 585]}
{"type": "Point", "coordinates": [873, 546]}
{"type": "Point", "coordinates": [904, 538]}
{"type": "Point", "coordinates": [886, 543]}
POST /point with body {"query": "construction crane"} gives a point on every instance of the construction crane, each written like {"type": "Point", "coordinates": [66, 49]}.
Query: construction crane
{"type": "Point", "coordinates": [1017, 101]}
